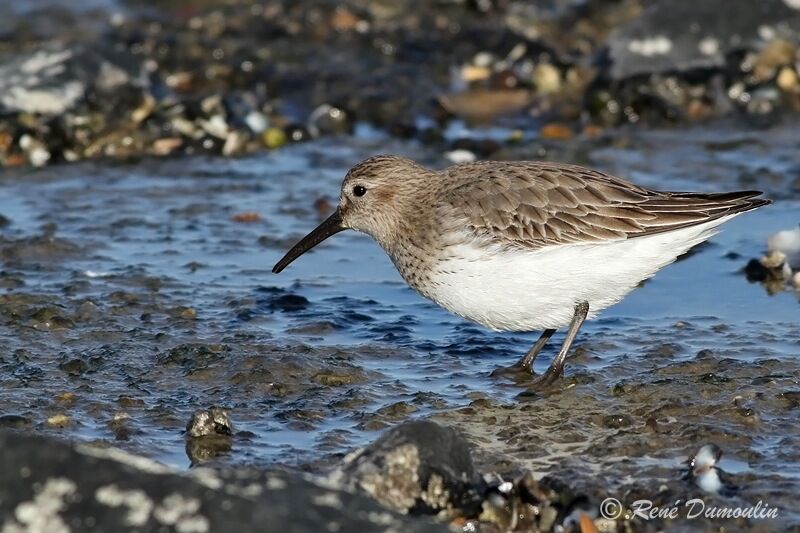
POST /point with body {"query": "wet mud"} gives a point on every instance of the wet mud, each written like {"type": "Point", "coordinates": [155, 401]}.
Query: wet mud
{"type": "Point", "coordinates": [135, 296]}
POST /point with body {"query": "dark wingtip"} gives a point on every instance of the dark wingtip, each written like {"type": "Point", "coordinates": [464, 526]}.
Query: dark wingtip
{"type": "Point", "coordinates": [751, 201]}
{"type": "Point", "coordinates": [741, 201]}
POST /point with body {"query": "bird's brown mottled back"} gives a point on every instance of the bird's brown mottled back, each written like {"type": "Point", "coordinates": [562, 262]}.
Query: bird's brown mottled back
{"type": "Point", "coordinates": [532, 204]}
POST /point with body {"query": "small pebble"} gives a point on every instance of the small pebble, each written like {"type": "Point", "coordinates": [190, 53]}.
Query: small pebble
{"type": "Point", "coordinates": [460, 156]}
{"type": "Point", "coordinates": [323, 206]}
{"type": "Point", "coordinates": [774, 259]}
{"type": "Point", "coordinates": [234, 143]}
{"type": "Point", "coordinates": [66, 398]}
{"type": "Point", "coordinates": [547, 78]}
{"type": "Point", "coordinates": [788, 79]}
{"type": "Point", "coordinates": [166, 145]}
{"type": "Point", "coordinates": [59, 421]}
{"type": "Point", "coordinates": [38, 155]}
{"type": "Point", "coordinates": [556, 131]}
{"type": "Point", "coordinates": [273, 138]}
{"type": "Point", "coordinates": [246, 217]}
{"type": "Point", "coordinates": [256, 121]}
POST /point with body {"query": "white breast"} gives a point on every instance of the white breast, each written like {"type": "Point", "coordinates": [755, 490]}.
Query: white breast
{"type": "Point", "coordinates": [523, 290]}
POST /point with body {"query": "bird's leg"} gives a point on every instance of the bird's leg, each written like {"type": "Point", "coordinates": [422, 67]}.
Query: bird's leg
{"type": "Point", "coordinates": [525, 364]}
{"type": "Point", "coordinates": [556, 368]}
{"type": "Point", "coordinates": [526, 361]}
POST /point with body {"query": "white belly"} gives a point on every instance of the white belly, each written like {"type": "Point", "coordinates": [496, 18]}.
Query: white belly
{"type": "Point", "coordinates": [523, 290]}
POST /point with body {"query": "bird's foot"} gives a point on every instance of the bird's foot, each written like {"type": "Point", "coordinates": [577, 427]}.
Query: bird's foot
{"type": "Point", "coordinates": [550, 377]}
{"type": "Point", "coordinates": [516, 370]}
{"type": "Point", "coordinates": [527, 378]}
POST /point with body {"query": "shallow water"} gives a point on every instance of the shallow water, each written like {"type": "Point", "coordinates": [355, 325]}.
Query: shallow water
{"type": "Point", "coordinates": [131, 298]}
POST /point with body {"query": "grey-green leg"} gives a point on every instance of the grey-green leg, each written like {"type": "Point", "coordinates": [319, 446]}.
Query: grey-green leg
{"type": "Point", "coordinates": [526, 362]}
{"type": "Point", "coordinates": [556, 369]}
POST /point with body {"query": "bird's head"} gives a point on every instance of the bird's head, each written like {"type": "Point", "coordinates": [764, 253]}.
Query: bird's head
{"type": "Point", "coordinates": [377, 195]}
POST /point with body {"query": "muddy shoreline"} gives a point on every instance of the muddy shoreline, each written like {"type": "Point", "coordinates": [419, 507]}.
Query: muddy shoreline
{"type": "Point", "coordinates": [174, 154]}
{"type": "Point", "coordinates": [136, 295]}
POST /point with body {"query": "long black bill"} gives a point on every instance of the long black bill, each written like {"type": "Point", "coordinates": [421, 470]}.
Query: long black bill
{"type": "Point", "coordinates": [331, 226]}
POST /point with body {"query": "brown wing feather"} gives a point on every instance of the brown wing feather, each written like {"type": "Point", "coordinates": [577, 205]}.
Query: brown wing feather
{"type": "Point", "coordinates": [535, 204]}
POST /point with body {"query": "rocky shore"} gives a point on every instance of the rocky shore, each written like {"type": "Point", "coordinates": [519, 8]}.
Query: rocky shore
{"type": "Point", "coordinates": [124, 81]}
{"type": "Point", "coordinates": [418, 477]}
{"type": "Point", "coordinates": [136, 283]}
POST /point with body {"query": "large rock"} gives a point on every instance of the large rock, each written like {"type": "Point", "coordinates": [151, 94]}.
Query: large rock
{"type": "Point", "coordinates": [416, 467]}
{"type": "Point", "coordinates": [680, 35]}
{"type": "Point", "coordinates": [50, 486]}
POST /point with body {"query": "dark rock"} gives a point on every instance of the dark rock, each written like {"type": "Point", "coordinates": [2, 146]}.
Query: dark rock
{"type": "Point", "coordinates": [15, 421]}
{"type": "Point", "coordinates": [617, 421]}
{"type": "Point", "coordinates": [194, 355]}
{"type": "Point", "coordinates": [121, 427]}
{"type": "Point", "coordinates": [288, 302]}
{"type": "Point", "coordinates": [681, 35]}
{"type": "Point", "coordinates": [49, 484]}
{"type": "Point", "coordinates": [329, 119]}
{"type": "Point", "coordinates": [430, 136]}
{"type": "Point", "coordinates": [791, 399]}
{"type": "Point", "coordinates": [48, 318]}
{"type": "Point", "coordinates": [39, 248]}
{"type": "Point", "coordinates": [297, 133]}
{"type": "Point", "coordinates": [483, 147]}
{"type": "Point", "coordinates": [88, 361]}
{"type": "Point", "coordinates": [416, 467]}
{"type": "Point", "coordinates": [755, 271]}
{"type": "Point", "coordinates": [74, 367]}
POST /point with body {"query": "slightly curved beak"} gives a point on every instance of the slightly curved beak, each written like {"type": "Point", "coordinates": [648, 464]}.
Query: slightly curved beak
{"type": "Point", "coordinates": [331, 226]}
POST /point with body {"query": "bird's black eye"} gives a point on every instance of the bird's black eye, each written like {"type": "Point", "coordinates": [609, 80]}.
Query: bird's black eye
{"type": "Point", "coordinates": [358, 190]}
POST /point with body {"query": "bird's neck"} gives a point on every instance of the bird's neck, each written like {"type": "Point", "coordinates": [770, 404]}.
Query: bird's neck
{"type": "Point", "coordinates": [413, 253]}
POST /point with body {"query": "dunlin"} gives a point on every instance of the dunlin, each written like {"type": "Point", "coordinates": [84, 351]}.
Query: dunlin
{"type": "Point", "coordinates": [522, 246]}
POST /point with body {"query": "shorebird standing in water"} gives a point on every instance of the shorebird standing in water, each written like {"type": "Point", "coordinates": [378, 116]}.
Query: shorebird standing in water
{"type": "Point", "coordinates": [522, 246]}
